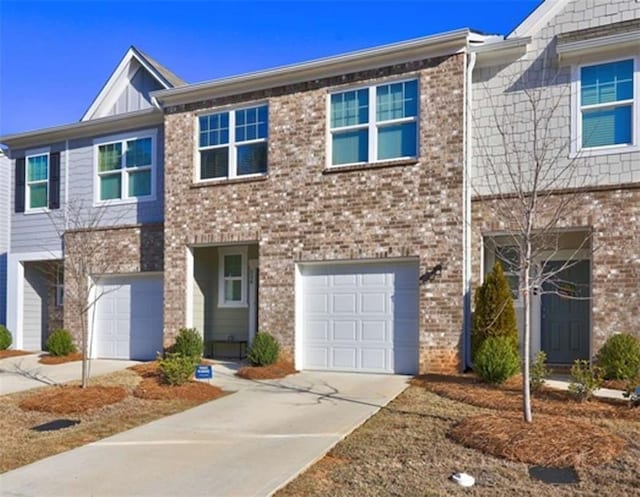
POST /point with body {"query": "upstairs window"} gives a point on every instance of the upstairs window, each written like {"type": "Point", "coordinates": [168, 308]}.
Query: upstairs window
{"type": "Point", "coordinates": [373, 124]}
{"type": "Point", "coordinates": [126, 169]}
{"type": "Point", "coordinates": [37, 181]}
{"type": "Point", "coordinates": [606, 104]}
{"type": "Point", "coordinates": [234, 143]}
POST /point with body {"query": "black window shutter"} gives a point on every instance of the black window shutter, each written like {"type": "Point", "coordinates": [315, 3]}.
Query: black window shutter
{"type": "Point", "coordinates": [19, 198]}
{"type": "Point", "coordinates": [54, 180]}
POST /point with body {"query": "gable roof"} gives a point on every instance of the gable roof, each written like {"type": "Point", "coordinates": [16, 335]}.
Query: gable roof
{"type": "Point", "coordinates": [538, 18]}
{"type": "Point", "coordinates": [120, 77]}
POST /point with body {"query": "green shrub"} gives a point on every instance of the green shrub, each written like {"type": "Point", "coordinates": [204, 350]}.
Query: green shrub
{"type": "Point", "coordinates": [630, 391]}
{"type": "Point", "coordinates": [494, 314]}
{"type": "Point", "coordinates": [177, 369]}
{"type": "Point", "coordinates": [585, 379]}
{"type": "Point", "coordinates": [5, 338]}
{"type": "Point", "coordinates": [538, 371]}
{"type": "Point", "coordinates": [496, 360]}
{"type": "Point", "coordinates": [264, 351]}
{"type": "Point", "coordinates": [60, 343]}
{"type": "Point", "coordinates": [189, 344]}
{"type": "Point", "coordinates": [619, 357]}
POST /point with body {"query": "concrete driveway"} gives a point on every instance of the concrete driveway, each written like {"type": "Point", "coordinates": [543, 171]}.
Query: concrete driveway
{"type": "Point", "coordinates": [25, 372]}
{"type": "Point", "coordinates": [247, 444]}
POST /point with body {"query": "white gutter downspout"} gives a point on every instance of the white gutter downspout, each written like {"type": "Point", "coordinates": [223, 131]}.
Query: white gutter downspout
{"type": "Point", "coordinates": [66, 185]}
{"type": "Point", "coordinates": [470, 59]}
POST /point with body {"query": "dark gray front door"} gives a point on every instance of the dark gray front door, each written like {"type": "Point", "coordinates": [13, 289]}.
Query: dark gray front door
{"type": "Point", "coordinates": [565, 318]}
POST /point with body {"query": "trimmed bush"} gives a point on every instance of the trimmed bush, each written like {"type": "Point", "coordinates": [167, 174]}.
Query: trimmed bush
{"type": "Point", "coordinates": [189, 344]}
{"type": "Point", "coordinates": [264, 351]}
{"type": "Point", "coordinates": [538, 371]}
{"type": "Point", "coordinates": [494, 314]}
{"type": "Point", "coordinates": [5, 338]}
{"type": "Point", "coordinates": [585, 379]}
{"type": "Point", "coordinates": [619, 357]}
{"type": "Point", "coordinates": [177, 369]}
{"type": "Point", "coordinates": [497, 360]}
{"type": "Point", "coordinates": [60, 343]}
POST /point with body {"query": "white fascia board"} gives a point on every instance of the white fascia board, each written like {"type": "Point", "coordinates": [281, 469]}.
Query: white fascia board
{"type": "Point", "coordinates": [431, 46]}
{"type": "Point", "coordinates": [618, 43]}
{"type": "Point", "coordinates": [538, 18]}
{"type": "Point", "coordinates": [505, 50]}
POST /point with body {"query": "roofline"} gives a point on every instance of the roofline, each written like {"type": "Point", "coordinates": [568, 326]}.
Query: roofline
{"type": "Point", "coordinates": [103, 125]}
{"type": "Point", "coordinates": [537, 18]}
{"type": "Point", "coordinates": [446, 43]}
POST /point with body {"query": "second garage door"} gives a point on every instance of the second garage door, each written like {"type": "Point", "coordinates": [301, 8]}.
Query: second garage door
{"type": "Point", "coordinates": [128, 318]}
{"type": "Point", "coordinates": [360, 317]}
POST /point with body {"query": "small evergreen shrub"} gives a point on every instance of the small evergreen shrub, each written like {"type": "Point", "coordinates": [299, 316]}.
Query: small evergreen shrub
{"type": "Point", "coordinates": [264, 350]}
{"type": "Point", "coordinates": [538, 371]}
{"type": "Point", "coordinates": [497, 360]}
{"type": "Point", "coordinates": [585, 379]}
{"type": "Point", "coordinates": [189, 344]}
{"type": "Point", "coordinates": [494, 314]}
{"type": "Point", "coordinates": [176, 369]}
{"type": "Point", "coordinates": [60, 343]}
{"type": "Point", "coordinates": [619, 357]}
{"type": "Point", "coordinates": [5, 338]}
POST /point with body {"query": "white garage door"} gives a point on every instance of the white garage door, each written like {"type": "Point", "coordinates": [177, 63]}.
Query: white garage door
{"type": "Point", "coordinates": [360, 317]}
{"type": "Point", "coordinates": [128, 317]}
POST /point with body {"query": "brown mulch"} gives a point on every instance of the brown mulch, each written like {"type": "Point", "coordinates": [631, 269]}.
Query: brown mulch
{"type": "Point", "coordinates": [280, 369]}
{"type": "Point", "coordinates": [615, 384]}
{"type": "Point", "coordinates": [508, 397]}
{"type": "Point", "coordinates": [550, 441]}
{"type": "Point", "coordinates": [13, 353]}
{"type": "Point", "coordinates": [60, 359]}
{"type": "Point", "coordinates": [73, 399]}
{"type": "Point", "coordinates": [154, 389]}
{"type": "Point", "coordinates": [147, 369]}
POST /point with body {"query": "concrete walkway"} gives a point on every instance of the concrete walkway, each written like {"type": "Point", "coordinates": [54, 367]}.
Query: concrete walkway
{"type": "Point", "coordinates": [25, 372]}
{"type": "Point", "coordinates": [247, 444]}
{"type": "Point", "coordinates": [561, 382]}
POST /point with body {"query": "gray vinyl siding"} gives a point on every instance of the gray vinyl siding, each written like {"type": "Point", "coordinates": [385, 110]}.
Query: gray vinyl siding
{"type": "Point", "coordinates": [39, 232]}
{"type": "Point", "coordinates": [34, 315]}
{"type": "Point", "coordinates": [217, 323]}
{"type": "Point", "coordinates": [136, 95]}
{"type": "Point", "coordinates": [5, 168]}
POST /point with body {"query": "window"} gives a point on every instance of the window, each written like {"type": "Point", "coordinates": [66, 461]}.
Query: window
{"type": "Point", "coordinates": [606, 105]}
{"type": "Point", "coordinates": [59, 286]}
{"type": "Point", "coordinates": [374, 124]}
{"type": "Point", "coordinates": [125, 168]}
{"type": "Point", "coordinates": [509, 258]}
{"type": "Point", "coordinates": [37, 181]}
{"type": "Point", "coordinates": [233, 143]}
{"type": "Point", "coordinates": [232, 288]}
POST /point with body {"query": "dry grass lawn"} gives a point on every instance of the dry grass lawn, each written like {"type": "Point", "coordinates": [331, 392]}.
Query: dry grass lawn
{"type": "Point", "coordinates": [280, 369]}
{"type": "Point", "coordinates": [405, 450]}
{"type": "Point", "coordinates": [20, 445]}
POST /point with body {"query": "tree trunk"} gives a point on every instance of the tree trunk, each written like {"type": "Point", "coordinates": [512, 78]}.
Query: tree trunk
{"type": "Point", "coordinates": [85, 351]}
{"type": "Point", "coordinates": [526, 386]}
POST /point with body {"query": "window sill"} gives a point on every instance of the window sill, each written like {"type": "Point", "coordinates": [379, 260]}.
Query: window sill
{"type": "Point", "coordinates": [124, 201]}
{"type": "Point", "coordinates": [370, 165]}
{"type": "Point", "coordinates": [229, 181]}
{"type": "Point", "coordinates": [37, 210]}
{"type": "Point", "coordinates": [243, 305]}
{"type": "Point", "coordinates": [605, 150]}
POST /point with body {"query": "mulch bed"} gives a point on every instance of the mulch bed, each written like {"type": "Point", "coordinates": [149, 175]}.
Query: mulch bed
{"type": "Point", "coordinates": [73, 399]}
{"type": "Point", "coordinates": [60, 359]}
{"type": "Point", "coordinates": [13, 353]}
{"type": "Point", "coordinates": [152, 386]}
{"type": "Point", "coordinates": [278, 370]}
{"type": "Point", "coordinates": [508, 397]}
{"type": "Point", "coordinates": [549, 441]}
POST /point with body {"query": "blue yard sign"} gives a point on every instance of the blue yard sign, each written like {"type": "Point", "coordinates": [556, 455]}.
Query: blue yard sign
{"type": "Point", "coordinates": [204, 372]}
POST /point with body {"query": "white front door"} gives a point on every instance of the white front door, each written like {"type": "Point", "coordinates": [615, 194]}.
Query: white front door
{"type": "Point", "coordinates": [360, 317]}
{"type": "Point", "coordinates": [128, 317]}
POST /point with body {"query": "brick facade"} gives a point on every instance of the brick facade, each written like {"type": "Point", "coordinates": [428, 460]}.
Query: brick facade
{"type": "Point", "coordinates": [302, 212]}
{"type": "Point", "coordinates": [121, 250]}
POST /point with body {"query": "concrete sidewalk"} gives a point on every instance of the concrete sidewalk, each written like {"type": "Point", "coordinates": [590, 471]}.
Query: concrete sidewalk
{"type": "Point", "coordinates": [247, 444]}
{"type": "Point", "coordinates": [25, 372]}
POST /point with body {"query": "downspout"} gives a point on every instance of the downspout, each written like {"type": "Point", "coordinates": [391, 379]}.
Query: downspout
{"type": "Point", "coordinates": [66, 185]}
{"type": "Point", "coordinates": [470, 60]}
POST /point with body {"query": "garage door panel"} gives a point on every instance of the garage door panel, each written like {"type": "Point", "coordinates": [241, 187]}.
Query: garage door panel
{"type": "Point", "coordinates": [372, 317]}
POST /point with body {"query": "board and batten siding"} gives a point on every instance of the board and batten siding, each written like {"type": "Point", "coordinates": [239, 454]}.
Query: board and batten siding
{"type": "Point", "coordinates": [35, 310]}
{"type": "Point", "coordinates": [136, 94]}
{"type": "Point", "coordinates": [39, 232]}
{"type": "Point", "coordinates": [5, 175]}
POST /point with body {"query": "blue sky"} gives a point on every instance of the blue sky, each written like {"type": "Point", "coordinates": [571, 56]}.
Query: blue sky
{"type": "Point", "coordinates": [55, 56]}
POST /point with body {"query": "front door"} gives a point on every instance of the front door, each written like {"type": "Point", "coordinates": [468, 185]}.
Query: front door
{"type": "Point", "coordinates": [565, 313]}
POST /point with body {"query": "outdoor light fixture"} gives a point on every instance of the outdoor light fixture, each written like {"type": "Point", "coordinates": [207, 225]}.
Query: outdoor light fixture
{"type": "Point", "coordinates": [429, 275]}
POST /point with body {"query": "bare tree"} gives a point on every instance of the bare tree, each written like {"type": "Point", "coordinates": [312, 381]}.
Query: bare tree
{"type": "Point", "coordinates": [529, 185]}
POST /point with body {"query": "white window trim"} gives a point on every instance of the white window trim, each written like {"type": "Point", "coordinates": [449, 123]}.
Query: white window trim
{"type": "Point", "coordinates": [27, 191]}
{"type": "Point", "coordinates": [59, 286]}
{"type": "Point", "coordinates": [576, 112]}
{"type": "Point", "coordinates": [124, 187]}
{"type": "Point", "coordinates": [222, 252]}
{"type": "Point", "coordinates": [232, 145]}
{"type": "Point", "coordinates": [372, 125]}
